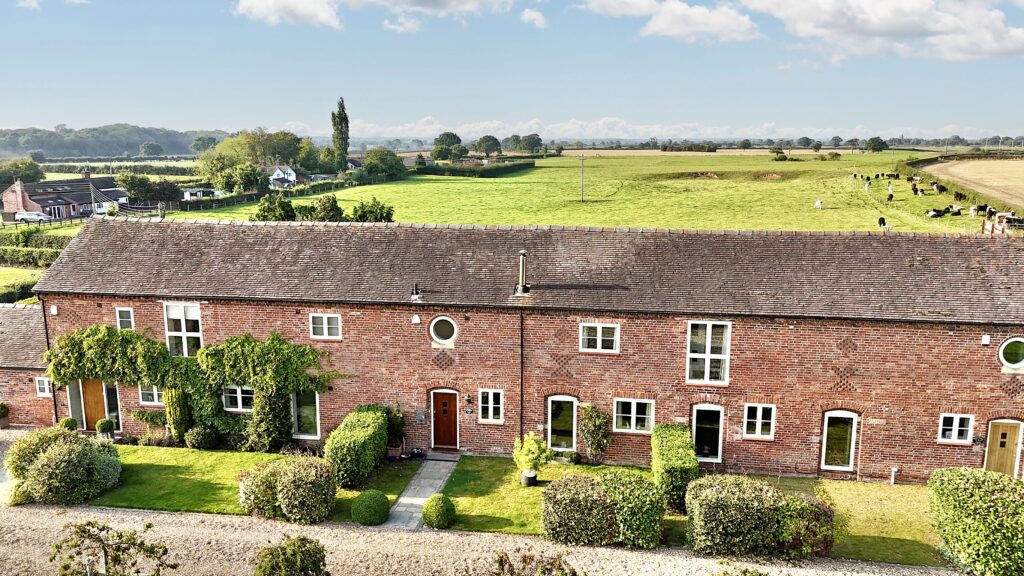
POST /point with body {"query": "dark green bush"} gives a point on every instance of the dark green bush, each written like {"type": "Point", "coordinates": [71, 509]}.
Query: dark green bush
{"type": "Point", "coordinates": [68, 423]}
{"type": "Point", "coordinates": [17, 291]}
{"type": "Point", "coordinates": [595, 429]}
{"type": "Point", "coordinates": [439, 511]}
{"type": "Point", "coordinates": [734, 515]}
{"type": "Point", "coordinates": [201, 438]}
{"type": "Point", "coordinates": [257, 489]}
{"type": "Point", "coordinates": [177, 413]}
{"type": "Point", "coordinates": [5, 410]}
{"type": "Point", "coordinates": [25, 450]}
{"type": "Point", "coordinates": [371, 508]}
{"type": "Point", "coordinates": [72, 470]}
{"type": "Point", "coordinates": [295, 556]}
{"type": "Point", "coordinates": [673, 462]}
{"type": "Point", "coordinates": [38, 257]}
{"type": "Point", "coordinates": [809, 526]}
{"type": "Point", "coordinates": [979, 516]}
{"type": "Point", "coordinates": [639, 506]}
{"type": "Point", "coordinates": [50, 241]}
{"type": "Point", "coordinates": [104, 426]}
{"type": "Point", "coordinates": [576, 510]}
{"type": "Point", "coordinates": [358, 445]}
{"type": "Point", "coordinates": [489, 171]}
{"type": "Point", "coordinates": [306, 488]}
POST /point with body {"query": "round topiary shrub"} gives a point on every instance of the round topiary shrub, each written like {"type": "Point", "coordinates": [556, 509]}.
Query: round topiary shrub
{"type": "Point", "coordinates": [439, 511]}
{"type": "Point", "coordinates": [68, 423]}
{"type": "Point", "coordinates": [576, 510]}
{"type": "Point", "coordinates": [201, 438]}
{"type": "Point", "coordinates": [26, 449]}
{"type": "Point", "coordinates": [306, 488]}
{"type": "Point", "coordinates": [639, 505]}
{"type": "Point", "coordinates": [104, 426]}
{"type": "Point", "coordinates": [257, 489]}
{"type": "Point", "coordinates": [72, 471]}
{"type": "Point", "coordinates": [298, 555]}
{"type": "Point", "coordinates": [371, 508]}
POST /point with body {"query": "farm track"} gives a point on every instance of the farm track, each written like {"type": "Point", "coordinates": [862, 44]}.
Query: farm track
{"type": "Point", "coordinates": [999, 180]}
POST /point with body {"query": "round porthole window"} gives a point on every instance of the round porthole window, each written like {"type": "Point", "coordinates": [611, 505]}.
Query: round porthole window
{"type": "Point", "coordinates": [1011, 353]}
{"type": "Point", "coordinates": [443, 330]}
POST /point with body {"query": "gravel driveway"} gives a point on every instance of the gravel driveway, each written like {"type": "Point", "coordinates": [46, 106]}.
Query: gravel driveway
{"type": "Point", "coordinates": [225, 545]}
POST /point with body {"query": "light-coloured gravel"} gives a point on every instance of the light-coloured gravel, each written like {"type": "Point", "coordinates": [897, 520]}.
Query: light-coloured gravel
{"type": "Point", "coordinates": [225, 545]}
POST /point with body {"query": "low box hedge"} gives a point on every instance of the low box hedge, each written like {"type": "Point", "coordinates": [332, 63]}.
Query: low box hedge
{"type": "Point", "coordinates": [359, 444]}
{"type": "Point", "coordinates": [576, 510]}
{"type": "Point", "coordinates": [639, 506]}
{"type": "Point", "coordinates": [38, 257]}
{"type": "Point", "coordinates": [979, 516]}
{"type": "Point", "coordinates": [673, 462]}
{"type": "Point", "coordinates": [10, 293]}
{"type": "Point", "coordinates": [299, 490]}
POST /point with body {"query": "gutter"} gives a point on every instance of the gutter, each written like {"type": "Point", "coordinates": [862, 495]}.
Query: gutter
{"type": "Point", "coordinates": [53, 385]}
{"type": "Point", "coordinates": [522, 373]}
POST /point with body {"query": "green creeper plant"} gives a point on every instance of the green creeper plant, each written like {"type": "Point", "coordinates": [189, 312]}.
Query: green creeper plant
{"type": "Point", "coordinates": [91, 545]}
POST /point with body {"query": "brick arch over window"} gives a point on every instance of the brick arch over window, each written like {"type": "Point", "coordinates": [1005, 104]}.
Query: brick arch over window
{"type": "Point", "coordinates": [559, 390]}
{"type": "Point", "coordinates": [990, 415]}
{"type": "Point", "coordinates": [848, 405]}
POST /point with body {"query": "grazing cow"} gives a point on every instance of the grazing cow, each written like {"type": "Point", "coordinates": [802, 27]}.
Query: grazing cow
{"type": "Point", "coordinates": [890, 187]}
{"type": "Point", "coordinates": [889, 198]}
{"type": "Point", "coordinates": [959, 196]}
{"type": "Point", "coordinates": [818, 205]}
{"type": "Point", "coordinates": [867, 185]}
{"type": "Point", "coordinates": [910, 178]}
{"type": "Point", "coordinates": [917, 178]}
{"type": "Point", "coordinates": [941, 189]}
{"type": "Point", "coordinates": [981, 209]}
{"type": "Point", "coordinates": [881, 222]}
{"type": "Point", "coordinates": [913, 188]}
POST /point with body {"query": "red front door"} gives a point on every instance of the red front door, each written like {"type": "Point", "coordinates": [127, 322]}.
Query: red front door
{"type": "Point", "coordinates": [446, 433]}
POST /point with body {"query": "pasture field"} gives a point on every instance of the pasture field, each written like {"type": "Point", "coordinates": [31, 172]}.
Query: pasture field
{"type": "Point", "coordinates": [11, 275]}
{"type": "Point", "coordinates": [707, 191]}
{"type": "Point", "coordinates": [1001, 180]}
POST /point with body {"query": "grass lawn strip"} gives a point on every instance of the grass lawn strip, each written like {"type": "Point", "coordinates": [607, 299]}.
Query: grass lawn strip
{"type": "Point", "coordinates": [12, 275]}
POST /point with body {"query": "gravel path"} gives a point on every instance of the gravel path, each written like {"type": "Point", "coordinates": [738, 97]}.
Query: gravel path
{"type": "Point", "coordinates": [6, 438]}
{"type": "Point", "coordinates": [225, 545]}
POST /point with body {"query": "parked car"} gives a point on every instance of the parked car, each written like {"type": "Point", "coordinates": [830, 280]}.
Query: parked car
{"type": "Point", "coordinates": [32, 217]}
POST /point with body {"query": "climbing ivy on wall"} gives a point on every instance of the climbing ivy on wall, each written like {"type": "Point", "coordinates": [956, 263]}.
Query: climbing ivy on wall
{"type": "Point", "coordinates": [273, 369]}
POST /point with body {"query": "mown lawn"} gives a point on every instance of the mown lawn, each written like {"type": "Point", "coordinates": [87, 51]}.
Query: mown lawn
{"type": "Point", "coordinates": [12, 275]}
{"type": "Point", "coordinates": [700, 192]}
{"type": "Point", "coordinates": [886, 523]}
{"type": "Point", "coordinates": [185, 480]}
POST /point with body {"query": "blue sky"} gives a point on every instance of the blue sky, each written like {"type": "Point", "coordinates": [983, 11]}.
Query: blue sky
{"type": "Point", "coordinates": [581, 68]}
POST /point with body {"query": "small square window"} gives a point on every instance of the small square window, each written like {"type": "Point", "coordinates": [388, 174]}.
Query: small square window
{"type": "Point", "coordinates": [956, 428]}
{"type": "Point", "coordinates": [150, 395]}
{"type": "Point", "coordinates": [633, 415]}
{"type": "Point", "coordinates": [491, 407]}
{"type": "Point", "coordinates": [759, 421]}
{"type": "Point", "coordinates": [599, 338]}
{"type": "Point", "coordinates": [43, 388]}
{"type": "Point", "coordinates": [325, 326]}
{"type": "Point", "coordinates": [238, 399]}
{"type": "Point", "coordinates": [125, 319]}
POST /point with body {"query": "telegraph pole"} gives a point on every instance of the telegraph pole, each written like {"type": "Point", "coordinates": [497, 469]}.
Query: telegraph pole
{"type": "Point", "coordinates": [582, 158]}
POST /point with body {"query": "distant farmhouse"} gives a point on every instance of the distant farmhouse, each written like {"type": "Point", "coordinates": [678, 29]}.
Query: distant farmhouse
{"type": "Point", "coordinates": [65, 198]}
{"type": "Point", "coordinates": [282, 176]}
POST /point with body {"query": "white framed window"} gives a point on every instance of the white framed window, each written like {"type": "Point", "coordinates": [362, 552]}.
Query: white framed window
{"type": "Point", "coordinates": [325, 326]}
{"type": "Point", "coordinates": [306, 415]}
{"type": "Point", "coordinates": [237, 399]}
{"type": "Point", "coordinates": [956, 428]}
{"type": "Point", "coordinates": [839, 440]}
{"type": "Point", "coordinates": [492, 406]}
{"type": "Point", "coordinates": [599, 337]}
{"type": "Point", "coordinates": [707, 352]}
{"type": "Point", "coordinates": [759, 421]}
{"type": "Point", "coordinates": [184, 330]}
{"type": "Point", "coordinates": [43, 388]}
{"type": "Point", "coordinates": [443, 330]}
{"type": "Point", "coordinates": [151, 395]}
{"type": "Point", "coordinates": [125, 318]}
{"type": "Point", "coordinates": [1011, 353]}
{"type": "Point", "coordinates": [633, 416]}
{"type": "Point", "coordinates": [707, 424]}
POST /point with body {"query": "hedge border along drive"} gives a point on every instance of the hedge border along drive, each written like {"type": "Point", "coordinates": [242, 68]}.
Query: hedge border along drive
{"type": "Point", "coordinates": [979, 516]}
{"type": "Point", "coordinates": [576, 510]}
{"type": "Point", "coordinates": [300, 490]}
{"type": "Point", "coordinates": [359, 444]}
{"type": "Point", "coordinates": [489, 171]}
{"type": "Point", "coordinates": [673, 462]}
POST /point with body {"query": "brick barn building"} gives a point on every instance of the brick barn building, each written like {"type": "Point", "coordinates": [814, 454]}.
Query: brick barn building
{"type": "Point", "coordinates": [841, 355]}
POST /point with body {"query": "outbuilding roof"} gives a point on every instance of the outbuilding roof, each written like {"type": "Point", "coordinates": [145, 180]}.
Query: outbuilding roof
{"type": "Point", "coordinates": [22, 336]}
{"type": "Point", "coordinates": [879, 276]}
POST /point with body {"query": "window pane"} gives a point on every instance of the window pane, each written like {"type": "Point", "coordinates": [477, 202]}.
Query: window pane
{"type": "Point", "coordinates": [173, 324]}
{"type": "Point", "coordinates": [964, 433]}
{"type": "Point", "coordinates": [590, 343]}
{"type": "Point", "coordinates": [696, 368]}
{"type": "Point", "coordinates": [192, 313]}
{"type": "Point", "coordinates": [717, 371]}
{"type": "Point", "coordinates": [485, 399]}
{"type": "Point", "coordinates": [318, 325]}
{"type": "Point", "coordinates": [192, 326]}
{"type": "Point", "coordinates": [496, 409]}
{"type": "Point", "coordinates": [333, 326]}
{"type": "Point", "coordinates": [444, 330]}
{"type": "Point", "coordinates": [766, 419]}
{"type": "Point", "coordinates": [590, 331]}
{"type": "Point", "coordinates": [176, 345]}
{"type": "Point", "coordinates": [707, 433]}
{"type": "Point", "coordinates": [230, 399]}
{"type": "Point", "coordinates": [147, 395]}
{"type": "Point", "coordinates": [1013, 353]}
{"type": "Point", "coordinates": [247, 398]}
{"type": "Point", "coordinates": [751, 427]}
{"type": "Point", "coordinates": [113, 410]}
{"type": "Point", "coordinates": [193, 345]}
{"type": "Point", "coordinates": [174, 311]}
{"type": "Point", "coordinates": [305, 413]}
{"type": "Point", "coordinates": [839, 441]}
{"type": "Point", "coordinates": [698, 338]}
{"type": "Point", "coordinates": [718, 339]}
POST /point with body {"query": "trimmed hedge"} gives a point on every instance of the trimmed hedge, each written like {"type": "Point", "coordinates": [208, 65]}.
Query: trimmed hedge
{"type": "Point", "coordinates": [297, 555]}
{"type": "Point", "coordinates": [439, 511]}
{"type": "Point", "coordinates": [299, 490]}
{"type": "Point", "coordinates": [673, 462]}
{"type": "Point", "coordinates": [201, 438]}
{"type": "Point", "coordinates": [146, 169]}
{"type": "Point", "coordinates": [11, 293]}
{"type": "Point", "coordinates": [38, 257]}
{"type": "Point", "coordinates": [979, 516]}
{"type": "Point", "coordinates": [489, 171]}
{"type": "Point", "coordinates": [57, 466]}
{"type": "Point", "coordinates": [639, 506]}
{"type": "Point", "coordinates": [737, 515]}
{"type": "Point", "coordinates": [371, 508]}
{"type": "Point", "coordinates": [359, 444]}
{"type": "Point", "coordinates": [576, 510]}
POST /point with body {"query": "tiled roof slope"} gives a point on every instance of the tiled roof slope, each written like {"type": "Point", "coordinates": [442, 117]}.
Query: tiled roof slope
{"type": "Point", "coordinates": [946, 278]}
{"type": "Point", "coordinates": [22, 336]}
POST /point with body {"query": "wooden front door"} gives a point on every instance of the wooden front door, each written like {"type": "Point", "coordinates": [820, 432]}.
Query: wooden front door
{"type": "Point", "coordinates": [1003, 447]}
{"type": "Point", "coordinates": [92, 402]}
{"type": "Point", "coordinates": [446, 420]}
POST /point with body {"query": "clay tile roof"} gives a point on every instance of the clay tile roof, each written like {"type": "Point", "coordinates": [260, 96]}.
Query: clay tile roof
{"type": "Point", "coordinates": [911, 277]}
{"type": "Point", "coordinates": [22, 336]}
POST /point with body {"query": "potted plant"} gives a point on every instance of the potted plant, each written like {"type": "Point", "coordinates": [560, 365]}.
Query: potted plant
{"type": "Point", "coordinates": [105, 427]}
{"type": "Point", "coordinates": [396, 433]}
{"type": "Point", "coordinates": [530, 455]}
{"type": "Point", "coordinates": [5, 412]}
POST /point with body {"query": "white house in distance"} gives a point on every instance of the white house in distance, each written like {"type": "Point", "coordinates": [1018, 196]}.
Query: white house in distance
{"type": "Point", "coordinates": [282, 176]}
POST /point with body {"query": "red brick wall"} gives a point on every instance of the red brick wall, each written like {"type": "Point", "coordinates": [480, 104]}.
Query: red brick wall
{"type": "Point", "coordinates": [897, 376]}
{"type": "Point", "coordinates": [18, 390]}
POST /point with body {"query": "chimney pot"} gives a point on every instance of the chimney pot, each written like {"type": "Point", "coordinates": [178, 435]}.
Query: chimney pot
{"type": "Point", "coordinates": [522, 288]}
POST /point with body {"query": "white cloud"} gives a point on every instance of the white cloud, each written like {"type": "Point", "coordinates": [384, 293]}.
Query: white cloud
{"type": "Point", "coordinates": [534, 17]}
{"type": "Point", "coordinates": [681, 21]}
{"type": "Point", "coordinates": [944, 29]}
{"type": "Point", "coordinates": [274, 12]}
{"type": "Point", "coordinates": [29, 4]}
{"type": "Point", "coordinates": [404, 24]}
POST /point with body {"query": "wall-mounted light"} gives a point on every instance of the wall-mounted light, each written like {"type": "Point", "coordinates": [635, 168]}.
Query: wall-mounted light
{"type": "Point", "coordinates": [53, 309]}
{"type": "Point", "coordinates": [469, 399]}
{"type": "Point", "coordinates": [415, 318]}
{"type": "Point", "coordinates": [986, 339]}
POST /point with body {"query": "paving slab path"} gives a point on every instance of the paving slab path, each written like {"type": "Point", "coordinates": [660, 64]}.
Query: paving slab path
{"type": "Point", "coordinates": [407, 513]}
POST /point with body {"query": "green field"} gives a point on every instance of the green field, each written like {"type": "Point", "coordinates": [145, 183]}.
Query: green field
{"type": "Point", "coordinates": [13, 275]}
{"type": "Point", "coordinates": [700, 192]}
{"type": "Point", "coordinates": [68, 176]}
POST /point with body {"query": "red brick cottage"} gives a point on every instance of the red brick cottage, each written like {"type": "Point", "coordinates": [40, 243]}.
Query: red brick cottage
{"type": "Point", "coordinates": [846, 355]}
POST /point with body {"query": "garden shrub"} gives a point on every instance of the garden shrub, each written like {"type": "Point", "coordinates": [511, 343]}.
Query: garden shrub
{"type": "Point", "coordinates": [294, 556]}
{"type": "Point", "coordinates": [38, 257]}
{"type": "Point", "coordinates": [439, 511]}
{"type": "Point", "coordinates": [371, 508]}
{"type": "Point", "coordinates": [25, 450]}
{"type": "Point", "coordinates": [68, 423]}
{"type": "Point", "coordinates": [639, 507]}
{"type": "Point", "coordinates": [808, 526]}
{"type": "Point", "coordinates": [531, 453]}
{"type": "Point", "coordinates": [358, 445]}
{"type": "Point", "coordinates": [257, 490]}
{"type": "Point", "coordinates": [576, 510]}
{"type": "Point", "coordinates": [734, 515]}
{"type": "Point", "coordinates": [306, 488]}
{"type": "Point", "coordinates": [5, 410]}
{"type": "Point", "coordinates": [979, 516]}
{"type": "Point", "coordinates": [527, 563]}
{"type": "Point", "coordinates": [17, 291]}
{"type": "Point", "coordinates": [201, 438]}
{"type": "Point", "coordinates": [73, 470]}
{"type": "Point", "coordinates": [158, 438]}
{"type": "Point", "coordinates": [673, 462]}
{"type": "Point", "coordinates": [177, 413]}
{"type": "Point", "coordinates": [595, 429]}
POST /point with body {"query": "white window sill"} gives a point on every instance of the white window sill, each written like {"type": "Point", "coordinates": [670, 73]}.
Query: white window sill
{"type": "Point", "coordinates": [38, 395]}
{"type": "Point", "coordinates": [636, 432]}
{"type": "Point", "coordinates": [709, 460]}
{"type": "Point", "coordinates": [491, 422]}
{"type": "Point", "coordinates": [759, 438]}
{"type": "Point", "coordinates": [151, 404]}
{"type": "Point", "coordinates": [300, 437]}
{"type": "Point", "coordinates": [954, 442]}
{"type": "Point", "coordinates": [837, 468]}
{"type": "Point", "coordinates": [239, 410]}
{"type": "Point", "coordinates": [442, 345]}
{"type": "Point", "coordinates": [327, 338]}
{"type": "Point", "coordinates": [592, 351]}
{"type": "Point", "coordinates": [707, 383]}
{"type": "Point", "coordinates": [1014, 370]}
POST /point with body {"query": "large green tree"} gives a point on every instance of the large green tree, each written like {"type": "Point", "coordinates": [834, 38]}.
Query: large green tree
{"type": "Point", "coordinates": [876, 144]}
{"type": "Point", "coordinates": [447, 139]}
{"type": "Point", "coordinates": [202, 143]}
{"type": "Point", "coordinates": [23, 168]}
{"type": "Point", "coordinates": [382, 162]}
{"type": "Point", "coordinates": [150, 149]}
{"type": "Point", "coordinates": [531, 143]}
{"type": "Point", "coordinates": [139, 187]}
{"type": "Point", "coordinates": [488, 145]}
{"type": "Point", "coordinates": [274, 207]}
{"type": "Point", "coordinates": [326, 209]}
{"type": "Point", "coordinates": [339, 135]}
{"type": "Point", "coordinates": [249, 178]}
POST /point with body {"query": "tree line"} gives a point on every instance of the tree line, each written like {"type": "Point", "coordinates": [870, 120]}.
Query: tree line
{"type": "Point", "coordinates": [110, 141]}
